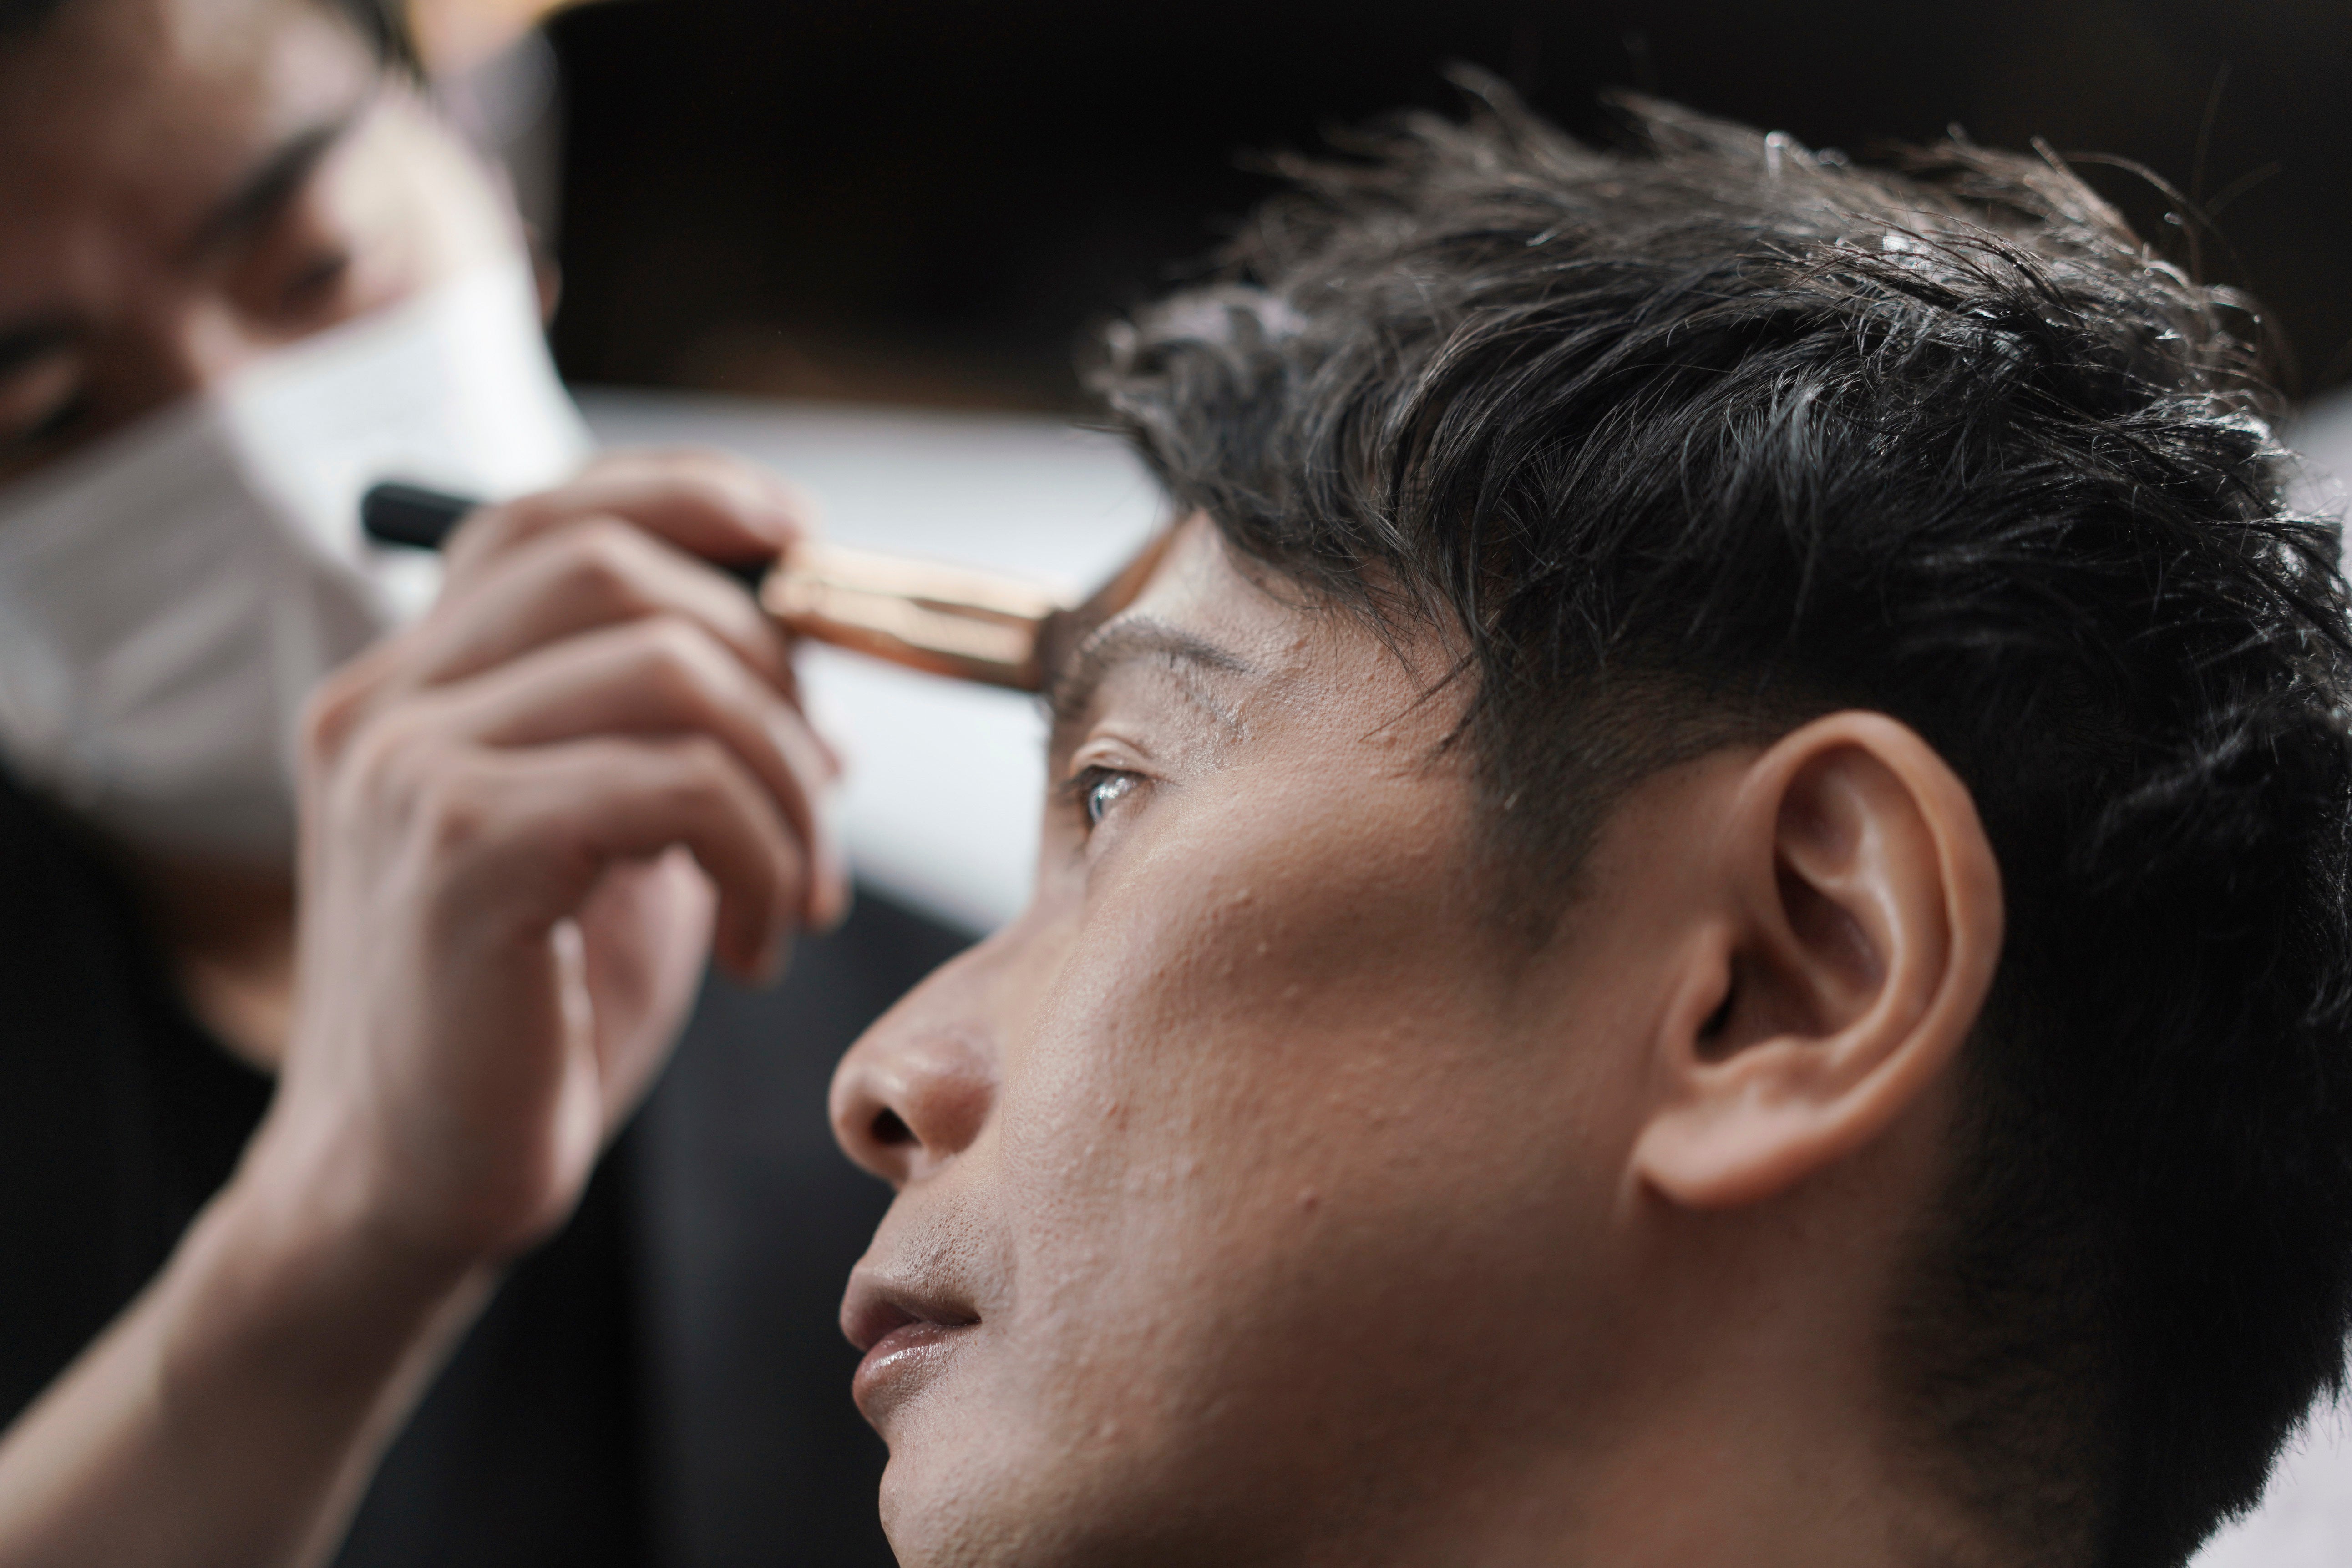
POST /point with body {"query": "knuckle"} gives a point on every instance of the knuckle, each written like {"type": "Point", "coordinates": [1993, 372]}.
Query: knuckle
{"type": "Point", "coordinates": [603, 560]}
{"type": "Point", "coordinates": [685, 660]}
{"type": "Point", "coordinates": [381, 764]}
{"type": "Point", "coordinates": [452, 810]}
{"type": "Point", "coordinates": [374, 747]}
{"type": "Point", "coordinates": [328, 715]}
{"type": "Point", "coordinates": [393, 760]}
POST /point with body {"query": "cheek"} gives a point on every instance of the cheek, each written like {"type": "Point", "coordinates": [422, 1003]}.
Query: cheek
{"type": "Point", "coordinates": [1236, 979]}
{"type": "Point", "coordinates": [1274, 1079]}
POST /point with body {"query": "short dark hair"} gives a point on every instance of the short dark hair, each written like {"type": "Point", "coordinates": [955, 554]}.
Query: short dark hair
{"type": "Point", "coordinates": [383, 23]}
{"type": "Point", "coordinates": [1697, 440]}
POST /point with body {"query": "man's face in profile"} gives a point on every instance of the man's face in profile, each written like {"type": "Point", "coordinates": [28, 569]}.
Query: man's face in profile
{"type": "Point", "coordinates": [1252, 1148]}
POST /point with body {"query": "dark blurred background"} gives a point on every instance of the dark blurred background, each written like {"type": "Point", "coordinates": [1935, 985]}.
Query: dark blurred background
{"type": "Point", "coordinates": [928, 201]}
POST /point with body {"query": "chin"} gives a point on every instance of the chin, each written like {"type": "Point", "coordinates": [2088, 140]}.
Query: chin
{"type": "Point", "coordinates": [921, 1521]}
{"type": "Point", "coordinates": [973, 1483]}
{"type": "Point", "coordinates": [963, 1486]}
{"type": "Point", "coordinates": [964, 1503]}
{"type": "Point", "coordinates": [1071, 1444]}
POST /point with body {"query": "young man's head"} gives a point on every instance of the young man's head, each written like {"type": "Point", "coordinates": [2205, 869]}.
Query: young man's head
{"type": "Point", "coordinates": [1700, 918]}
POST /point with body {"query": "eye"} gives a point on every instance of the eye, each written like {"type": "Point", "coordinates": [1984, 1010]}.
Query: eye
{"type": "Point", "coordinates": [1100, 789]}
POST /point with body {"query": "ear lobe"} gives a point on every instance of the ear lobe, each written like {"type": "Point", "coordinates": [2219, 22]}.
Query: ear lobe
{"type": "Point", "coordinates": [1864, 925]}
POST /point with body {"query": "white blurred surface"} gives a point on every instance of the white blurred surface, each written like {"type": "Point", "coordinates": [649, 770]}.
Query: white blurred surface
{"type": "Point", "coordinates": [2305, 1519]}
{"type": "Point", "coordinates": [945, 780]}
{"type": "Point", "coordinates": [2324, 437]}
{"type": "Point", "coordinates": [941, 803]}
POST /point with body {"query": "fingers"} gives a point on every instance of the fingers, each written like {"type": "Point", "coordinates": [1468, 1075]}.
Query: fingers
{"type": "Point", "coordinates": [586, 622]}
{"type": "Point", "coordinates": [706, 503]}
{"type": "Point", "coordinates": [661, 677]}
{"type": "Point", "coordinates": [571, 580]}
{"type": "Point", "coordinates": [630, 540]}
{"type": "Point", "coordinates": [529, 833]}
{"type": "Point", "coordinates": [500, 937]}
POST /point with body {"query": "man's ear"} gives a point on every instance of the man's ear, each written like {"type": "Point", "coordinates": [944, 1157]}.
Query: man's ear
{"type": "Point", "coordinates": [1864, 924]}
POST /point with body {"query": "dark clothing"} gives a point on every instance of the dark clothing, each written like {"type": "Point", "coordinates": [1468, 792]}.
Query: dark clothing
{"type": "Point", "coordinates": [661, 1384]}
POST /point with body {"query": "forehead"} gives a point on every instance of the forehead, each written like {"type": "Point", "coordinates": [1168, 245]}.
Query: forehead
{"type": "Point", "coordinates": [121, 119]}
{"type": "Point", "coordinates": [1277, 650]}
{"type": "Point", "coordinates": [1198, 585]}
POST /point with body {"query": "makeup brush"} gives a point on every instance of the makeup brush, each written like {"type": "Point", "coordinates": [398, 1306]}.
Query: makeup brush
{"type": "Point", "coordinates": [973, 625]}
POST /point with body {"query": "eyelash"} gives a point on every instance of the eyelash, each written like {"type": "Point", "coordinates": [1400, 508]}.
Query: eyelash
{"type": "Point", "coordinates": [1086, 794]}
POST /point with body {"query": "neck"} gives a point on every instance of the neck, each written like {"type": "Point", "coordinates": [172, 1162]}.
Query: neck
{"type": "Point", "coordinates": [1743, 1421]}
{"type": "Point", "coordinates": [1725, 1478]}
{"type": "Point", "coordinates": [227, 930]}
{"type": "Point", "coordinates": [1764, 1472]}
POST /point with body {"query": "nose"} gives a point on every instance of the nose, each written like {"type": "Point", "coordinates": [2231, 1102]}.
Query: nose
{"type": "Point", "coordinates": [919, 1086]}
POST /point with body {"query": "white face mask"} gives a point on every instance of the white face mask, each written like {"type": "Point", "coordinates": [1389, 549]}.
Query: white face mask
{"type": "Point", "coordinates": [170, 595]}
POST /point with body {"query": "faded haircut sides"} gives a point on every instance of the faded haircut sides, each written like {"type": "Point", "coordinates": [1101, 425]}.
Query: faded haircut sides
{"type": "Point", "coordinates": [1691, 443]}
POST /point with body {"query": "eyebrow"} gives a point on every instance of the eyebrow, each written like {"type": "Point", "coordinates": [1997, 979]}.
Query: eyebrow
{"type": "Point", "coordinates": [1070, 690]}
{"type": "Point", "coordinates": [266, 186]}
{"type": "Point", "coordinates": [255, 197]}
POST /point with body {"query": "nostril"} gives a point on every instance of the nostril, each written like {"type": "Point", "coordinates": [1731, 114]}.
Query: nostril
{"type": "Point", "coordinates": [890, 1132]}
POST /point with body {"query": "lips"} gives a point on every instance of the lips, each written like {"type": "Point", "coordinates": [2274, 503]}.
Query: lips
{"type": "Point", "coordinates": [906, 1334]}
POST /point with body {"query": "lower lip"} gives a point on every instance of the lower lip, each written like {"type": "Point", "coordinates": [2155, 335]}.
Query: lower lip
{"type": "Point", "coordinates": [900, 1362]}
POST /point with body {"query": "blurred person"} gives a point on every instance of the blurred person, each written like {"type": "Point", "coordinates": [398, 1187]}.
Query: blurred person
{"type": "Point", "coordinates": [270, 1150]}
{"type": "Point", "coordinates": [1698, 919]}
